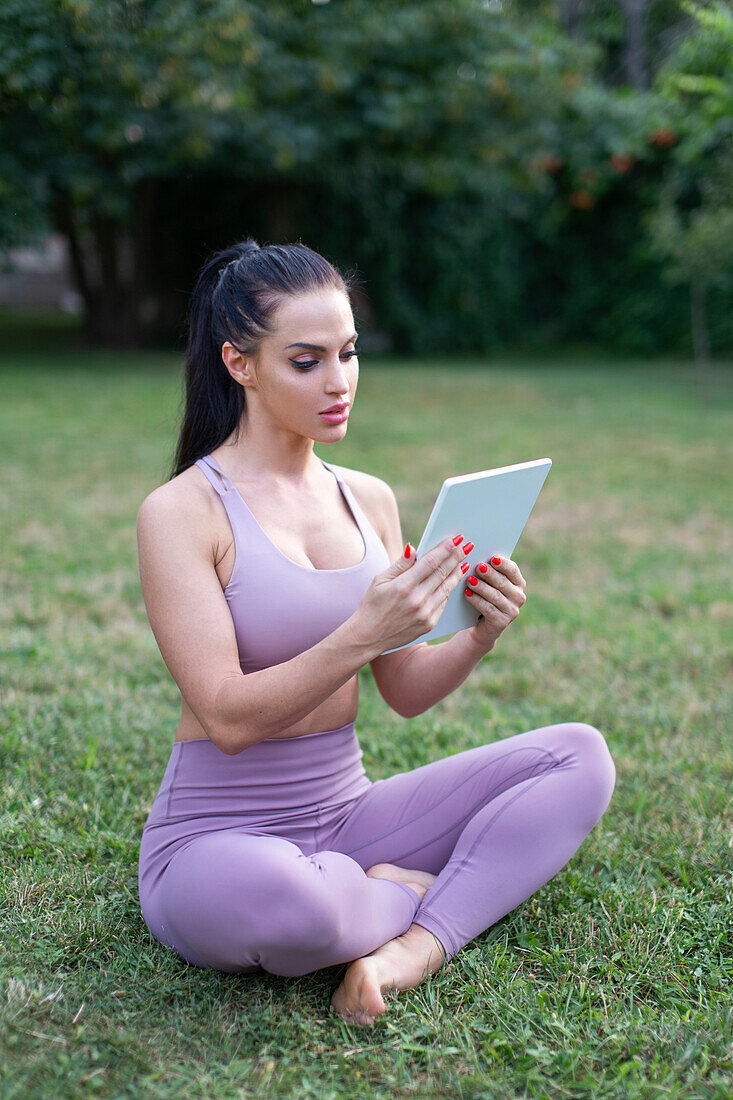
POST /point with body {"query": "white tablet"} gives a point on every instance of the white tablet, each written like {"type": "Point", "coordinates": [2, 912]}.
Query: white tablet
{"type": "Point", "coordinates": [490, 508]}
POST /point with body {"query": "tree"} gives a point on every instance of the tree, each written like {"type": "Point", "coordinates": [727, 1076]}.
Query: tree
{"type": "Point", "coordinates": [692, 225]}
{"type": "Point", "coordinates": [633, 36]}
{"type": "Point", "coordinates": [103, 103]}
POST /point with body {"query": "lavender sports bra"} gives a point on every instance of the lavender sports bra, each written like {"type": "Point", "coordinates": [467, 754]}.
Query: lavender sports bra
{"type": "Point", "coordinates": [280, 608]}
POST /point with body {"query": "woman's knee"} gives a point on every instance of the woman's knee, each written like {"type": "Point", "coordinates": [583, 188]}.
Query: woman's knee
{"type": "Point", "coordinates": [310, 917]}
{"type": "Point", "coordinates": [284, 897]}
{"type": "Point", "coordinates": [280, 898]}
{"type": "Point", "coordinates": [598, 768]}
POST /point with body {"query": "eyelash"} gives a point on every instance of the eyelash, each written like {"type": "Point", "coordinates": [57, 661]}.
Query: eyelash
{"type": "Point", "coordinates": [312, 362]}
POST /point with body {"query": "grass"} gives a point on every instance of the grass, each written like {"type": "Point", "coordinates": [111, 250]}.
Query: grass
{"type": "Point", "coordinates": [614, 980]}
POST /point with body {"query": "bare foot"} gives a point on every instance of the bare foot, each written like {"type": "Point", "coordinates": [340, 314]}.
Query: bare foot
{"type": "Point", "coordinates": [418, 880]}
{"type": "Point", "coordinates": [401, 963]}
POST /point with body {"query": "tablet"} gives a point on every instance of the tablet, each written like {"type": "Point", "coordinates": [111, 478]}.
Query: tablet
{"type": "Point", "coordinates": [490, 508]}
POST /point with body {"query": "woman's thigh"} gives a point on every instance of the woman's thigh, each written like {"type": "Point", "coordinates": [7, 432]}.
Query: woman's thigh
{"type": "Point", "coordinates": [415, 818]}
{"type": "Point", "coordinates": [238, 901]}
{"type": "Point", "coordinates": [229, 895]}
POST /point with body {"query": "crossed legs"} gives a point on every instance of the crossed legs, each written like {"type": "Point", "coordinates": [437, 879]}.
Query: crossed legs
{"type": "Point", "coordinates": [492, 824]}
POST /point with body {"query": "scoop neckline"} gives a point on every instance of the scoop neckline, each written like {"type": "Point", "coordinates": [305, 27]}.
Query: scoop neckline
{"type": "Point", "coordinates": [230, 486]}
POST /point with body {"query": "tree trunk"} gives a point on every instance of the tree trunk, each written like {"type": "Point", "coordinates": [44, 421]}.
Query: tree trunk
{"type": "Point", "coordinates": [147, 250]}
{"type": "Point", "coordinates": [635, 60]}
{"type": "Point", "coordinates": [571, 15]}
{"type": "Point", "coordinates": [103, 279]}
{"type": "Point", "coordinates": [700, 336]}
{"type": "Point", "coordinates": [115, 321]}
{"type": "Point", "coordinates": [62, 212]}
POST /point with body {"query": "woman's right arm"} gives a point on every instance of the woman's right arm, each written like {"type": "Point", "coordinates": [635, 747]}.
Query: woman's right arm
{"type": "Point", "coordinates": [193, 627]}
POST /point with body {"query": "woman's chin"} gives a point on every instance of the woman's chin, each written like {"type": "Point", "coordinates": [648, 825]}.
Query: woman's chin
{"type": "Point", "coordinates": [332, 431]}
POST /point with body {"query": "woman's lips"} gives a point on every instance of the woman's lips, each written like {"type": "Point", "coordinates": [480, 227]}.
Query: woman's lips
{"type": "Point", "coordinates": [336, 417]}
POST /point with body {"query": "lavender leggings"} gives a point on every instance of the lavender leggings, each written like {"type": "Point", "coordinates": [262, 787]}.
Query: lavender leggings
{"type": "Point", "coordinates": [257, 861]}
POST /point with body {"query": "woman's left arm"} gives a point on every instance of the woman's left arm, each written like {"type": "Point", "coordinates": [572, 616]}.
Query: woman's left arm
{"type": "Point", "coordinates": [427, 673]}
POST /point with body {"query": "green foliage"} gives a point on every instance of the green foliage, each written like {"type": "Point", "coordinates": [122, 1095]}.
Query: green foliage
{"type": "Point", "coordinates": [691, 226]}
{"type": "Point", "coordinates": [95, 97]}
{"type": "Point", "coordinates": [483, 167]}
{"type": "Point", "coordinates": [699, 76]}
{"type": "Point", "coordinates": [698, 249]}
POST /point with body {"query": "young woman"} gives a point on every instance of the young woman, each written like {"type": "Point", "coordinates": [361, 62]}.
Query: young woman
{"type": "Point", "coordinates": [270, 577]}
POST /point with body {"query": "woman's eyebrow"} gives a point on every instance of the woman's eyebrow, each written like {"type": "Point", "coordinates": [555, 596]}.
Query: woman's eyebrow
{"type": "Point", "coordinates": [317, 347]}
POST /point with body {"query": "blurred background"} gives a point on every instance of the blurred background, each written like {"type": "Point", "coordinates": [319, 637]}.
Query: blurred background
{"type": "Point", "coordinates": [544, 174]}
{"type": "Point", "coordinates": [536, 200]}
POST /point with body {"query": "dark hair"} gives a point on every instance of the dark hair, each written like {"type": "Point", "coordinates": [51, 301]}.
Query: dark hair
{"type": "Point", "coordinates": [237, 292]}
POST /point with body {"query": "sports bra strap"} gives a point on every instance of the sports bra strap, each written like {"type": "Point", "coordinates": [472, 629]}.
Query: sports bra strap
{"type": "Point", "coordinates": [362, 520]}
{"type": "Point", "coordinates": [345, 488]}
{"type": "Point", "coordinates": [214, 474]}
{"type": "Point", "coordinates": [330, 467]}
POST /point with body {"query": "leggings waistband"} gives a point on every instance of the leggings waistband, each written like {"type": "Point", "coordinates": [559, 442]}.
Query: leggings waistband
{"type": "Point", "coordinates": [278, 773]}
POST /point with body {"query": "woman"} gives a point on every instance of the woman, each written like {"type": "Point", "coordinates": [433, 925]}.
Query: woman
{"type": "Point", "coordinates": [270, 577]}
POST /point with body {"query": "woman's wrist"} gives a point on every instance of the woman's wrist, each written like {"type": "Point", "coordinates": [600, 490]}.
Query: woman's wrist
{"type": "Point", "coordinates": [358, 638]}
{"type": "Point", "coordinates": [483, 647]}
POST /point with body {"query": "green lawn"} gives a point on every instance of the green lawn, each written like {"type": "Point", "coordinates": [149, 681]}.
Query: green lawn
{"type": "Point", "coordinates": [614, 980]}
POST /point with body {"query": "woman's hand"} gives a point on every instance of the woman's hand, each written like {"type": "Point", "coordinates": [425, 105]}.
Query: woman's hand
{"type": "Point", "coordinates": [407, 599]}
{"type": "Point", "coordinates": [497, 591]}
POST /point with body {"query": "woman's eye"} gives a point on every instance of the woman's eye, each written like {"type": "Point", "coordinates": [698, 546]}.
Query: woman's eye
{"type": "Point", "coordinates": [306, 364]}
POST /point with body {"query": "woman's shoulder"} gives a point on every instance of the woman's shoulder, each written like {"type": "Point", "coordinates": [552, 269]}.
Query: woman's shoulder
{"type": "Point", "coordinates": [186, 496]}
{"type": "Point", "coordinates": [368, 485]}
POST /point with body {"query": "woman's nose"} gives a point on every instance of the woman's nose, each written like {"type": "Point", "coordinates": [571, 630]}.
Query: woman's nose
{"type": "Point", "coordinates": [339, 379]}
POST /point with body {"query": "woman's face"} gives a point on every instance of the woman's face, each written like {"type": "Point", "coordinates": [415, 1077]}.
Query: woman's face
{"type": "Point", "coordinates": [305, 367]}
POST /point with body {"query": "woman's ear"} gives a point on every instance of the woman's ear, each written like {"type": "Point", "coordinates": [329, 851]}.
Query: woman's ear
{"type": "Point", "coordinates": [240, 367]}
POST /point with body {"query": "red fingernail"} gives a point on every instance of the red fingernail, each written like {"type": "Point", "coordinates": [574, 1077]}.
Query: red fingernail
{"type": "Point", "coordinates": [457, 539]}
{"type": "Point", "coordinates": [407, 550]}
{"type": "Point", "coordinates": [465, 566]}
{"type": "Point", "coordinates": [473, 581]}
{"type": "Point", "coordinates": [483, 566]}
{"type": "Point", "coordinates": [496, 561]}
{"type": "Point", "coordinates": [468, 591]}
{"type": "Point", "coordinates": [467, 548]}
